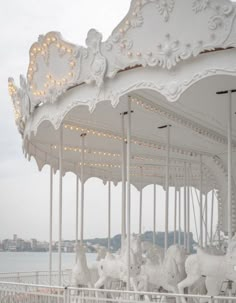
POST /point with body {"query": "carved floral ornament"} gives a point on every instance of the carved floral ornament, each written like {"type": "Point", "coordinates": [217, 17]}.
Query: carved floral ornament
{"type": "Point", "coordinates": [212, 23]}
{"type": "Point", "coordinates": [56, 65]}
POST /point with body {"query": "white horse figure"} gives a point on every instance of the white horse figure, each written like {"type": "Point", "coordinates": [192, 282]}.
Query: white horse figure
{"type": "Point", "coordinates": [81, 274]}
{"type": "Point", "coordinates": [101, 252]}
{"type": "Point", "coordinates": [136, 247]}
{"type": "Point", "coordinates": [166, 274]}
{"type": "Point", "coordinates": [216, 269]}
{"type": "Point", "coordinates": [152, 252]}
{"type": "Point", "coordinates": [114, 267]}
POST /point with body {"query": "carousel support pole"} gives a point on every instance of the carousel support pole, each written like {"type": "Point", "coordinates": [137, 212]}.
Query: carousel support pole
{"type": "Point", "coordinates": [50, 226]}
{"type": "Point", "coordinates": [175, 215]}
{"type": "Point", "coordinates": [82, 190]}
{"type": "Point", "coordinates": [206, 219]}
{"type": "Point", "coordinates": [212, 213]}
{"type": "Point", "coordinates": [154, 215]}
{"type": "Point", "coordinates": [109, 216]}
{"type": "Point", "coordinates": [188, 210]}
{"type": "Point", "coordinates": [167, 187]}
{"type": "Point", "coordinates": [77, 214]}
{"type": "Point", "coordinates": [179, 235]}
{"type": "Point", "coordinates": [60, 201]}
{"type": "Point", "coordinates": [185, 206]}
{"type": "Point", "coordinates": [201, 212]}
{"type": "Point", "coordinates": [229, 134]}
{"type": "Point", "coordinates": [123, 172]}
{"type": "Point", "coordinates": [140, 211]}
{"type": "Point", "coordinates": [229, 166]}
{"type": "Point", "coordinates": [128, 191]}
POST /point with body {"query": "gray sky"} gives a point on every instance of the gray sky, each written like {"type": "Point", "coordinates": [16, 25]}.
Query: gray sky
{"type": "Point", "coordinates": [24, 192]}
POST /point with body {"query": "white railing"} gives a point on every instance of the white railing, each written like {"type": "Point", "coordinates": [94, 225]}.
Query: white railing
{"type": "Point", "coordinates": [36, 277]}
{"type": "Point", "coordinates": [29, 293]}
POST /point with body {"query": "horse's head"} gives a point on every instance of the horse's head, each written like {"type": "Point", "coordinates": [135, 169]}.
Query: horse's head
{"type": "Point", "coordinates": [135, 243]}
{"type": "Point", "coordinates": [101, 253]}
{"type": "Point", "coordinates": [80, 252]}
{"type": "Point", "coordinates": [135, 265]}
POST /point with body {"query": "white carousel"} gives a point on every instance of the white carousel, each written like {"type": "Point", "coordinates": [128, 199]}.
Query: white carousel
{"type": "Point", "coordinates": [151, 105]}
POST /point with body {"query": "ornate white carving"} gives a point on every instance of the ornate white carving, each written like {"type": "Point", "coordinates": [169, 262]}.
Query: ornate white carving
{"type": "Point", "coordinates": [98, 64]}
{"type": "Point", "coordinates": [21, 102]}
{"type": "Point", "coordinates": [54, 66]}
{"type": "Point", "coordinates": [200, 5]}
{"type": "Point", "coordinates": [165, 48]}
{"type": "Point", "coordinates": [143, 38]}
{"type": "Point", "coordinates": [165, 7]}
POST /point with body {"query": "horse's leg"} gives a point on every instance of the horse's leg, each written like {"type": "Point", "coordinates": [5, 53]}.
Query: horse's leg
{"type": "Point", "coordinates": [213, 286]}
{"type": "Point", "coordinates": [189, 281]}
{"type": "Point", "coordinates": [101, 281]}
{"type": "Point", "coordinates": [174, 289]}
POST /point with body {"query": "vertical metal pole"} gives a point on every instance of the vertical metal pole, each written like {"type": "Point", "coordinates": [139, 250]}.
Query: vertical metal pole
{"type": "Point", "coordinates": [201, 212]}
{"type": "Point", "coordinates": [185, 206]}
{"type": "Point", "coordinates": [179, 238]}
{"type": "Point", "coordinates": [229, 166]}
{"type": "Point", "coordinates": [154, 215]}
{"type": "Point", "coordinates": [77, 215]}
{"type": "Point", "coordinates": [188, 211]}
{"type": "Point", "coordinates": [140, 211]}
{"type": "Point", "coordinates": [206, 219]}
{"type": "Point", "coordinates": [167, 188]}
{"type": "Point", "coordinates": [50, 226]}
{"type": "Point", "coordinates": [175, 214]}
{"type": "Point", "coordinates": [128, 192]}
{"type": "Point", "coordinates": [109, 216]}
{"type": "Point", "coordinates": [123, 171]}
{"type": "Point", "coordinates": [60, 200]}
{"type": "Point", "coordinates": [212, 213]}
{"type": "Point", "coordinates": [82, 191]}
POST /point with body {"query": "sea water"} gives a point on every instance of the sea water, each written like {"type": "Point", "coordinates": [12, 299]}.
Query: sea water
{"type": "Point", "coordinates": [37, 261]}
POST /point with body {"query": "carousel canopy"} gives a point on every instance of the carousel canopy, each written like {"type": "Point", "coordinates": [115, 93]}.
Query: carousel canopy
{"type": "Point", "coordinates": [170, 76]}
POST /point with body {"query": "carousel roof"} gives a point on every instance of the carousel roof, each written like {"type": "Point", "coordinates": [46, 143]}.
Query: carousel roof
{"type": "Point", "coordinates": [169, 59]}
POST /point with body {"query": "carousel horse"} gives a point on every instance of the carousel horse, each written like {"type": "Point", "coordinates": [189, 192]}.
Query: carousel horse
{"type": "Point", "coordinates": [114, 267]}
{"type": "Point", "coordinates": [216, 269]}
{"type": "Point", "coordinates": [136, 247]}
{"type": "Point", "coordinates": [101, 252]}
{"type": "Point", "coordinates": [166, 274]}
{"type": "Point", "coordinates": [82, 275]}
{"type": "Point", "coordinates": [152, 252]}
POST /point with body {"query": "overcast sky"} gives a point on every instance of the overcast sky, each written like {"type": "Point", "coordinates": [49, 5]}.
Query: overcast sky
{"type": "Point", "coordinates": [24, 192]}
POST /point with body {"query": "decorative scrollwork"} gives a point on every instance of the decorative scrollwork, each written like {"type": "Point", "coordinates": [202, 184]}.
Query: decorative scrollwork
{"type": "Point", "coordinates": [98, 64]}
